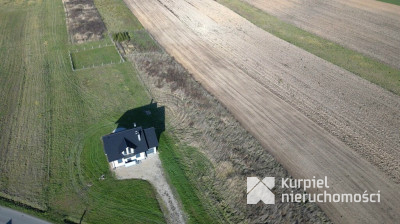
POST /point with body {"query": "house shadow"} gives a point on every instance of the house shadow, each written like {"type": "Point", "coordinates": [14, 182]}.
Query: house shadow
{"type": "Point", "coordinates": [146, 116]}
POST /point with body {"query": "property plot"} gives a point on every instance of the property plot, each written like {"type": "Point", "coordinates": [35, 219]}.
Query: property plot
{"type": "Point", "coordinates": [95, 57]}
{"type": "Point", "coordinates": [367, 26]}
{"type": "Point", "coordinates": [313, 116]}
{"type": "Point", "coordinates": [45, 113]}
{"type": "Point", "coordinates": [24, 92]}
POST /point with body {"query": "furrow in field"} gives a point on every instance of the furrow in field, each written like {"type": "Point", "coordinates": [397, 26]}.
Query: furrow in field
{"type": "Point", "coordinates": [367, 26]}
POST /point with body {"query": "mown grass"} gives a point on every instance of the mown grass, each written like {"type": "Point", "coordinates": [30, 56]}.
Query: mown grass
{"type": "Point", "coordinates": [396, 2]}
{"type": "Point", "coordinates": [111, 200]}
{"type": "Point", "coordinates": [106, 41]}
{"type": "Point", "coordinates": [70, 111]}
{"type": "Point", "coordinates": [117, 16]}
{"type": "Point", "coordinates": [23, 96]}
{"type": "Point", "coordinates": [55, 106]}
{"type": "Point", "coordinates": [107, 92]}
{"type": "Point", "coordinates": [95, 57]}
{"type": "Point", "coordinates": [357, 63]}
{"type": "Point", "coordinates": [170, 152]}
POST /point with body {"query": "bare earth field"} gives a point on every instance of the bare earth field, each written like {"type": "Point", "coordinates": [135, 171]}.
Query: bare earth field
{"type": "Point", "coordinates": [314, 117]}
{"type": "Point", "coordinates": [367, 26]}
{"type": "Point", "coordinates": [219, 169]}
{"type": "Point", "coordinates": [83, 21]}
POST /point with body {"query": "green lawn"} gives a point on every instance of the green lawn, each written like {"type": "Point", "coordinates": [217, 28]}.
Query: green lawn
{"type": "Point", "coordinates": [117, 16]}
{"type": "Point", "coordinates": [171, 158]}
{"type": "Point", "coordinates": [111, 200]}
{"type": "Point", "coordinates": [367, 68]}
{"type": "Point", "coordinates": [54, 158]}
{"type": "Point", "coordinates": [396, 2]}
{"type": "Point", "coordinates": [56, 117]}
{"type": "Point", "coordinates": [95, 57]}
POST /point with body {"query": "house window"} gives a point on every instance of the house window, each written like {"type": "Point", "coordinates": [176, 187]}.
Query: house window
{"type": "Point", "coordinates": [120, 161]}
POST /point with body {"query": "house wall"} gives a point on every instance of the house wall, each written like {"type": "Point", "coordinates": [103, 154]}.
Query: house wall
{"type": "Point", "coordinates": [142, 156]}
{"type": "Point", "coordinates": [115, 164]}
{"type": "Point", "coordinates": [152, 151]}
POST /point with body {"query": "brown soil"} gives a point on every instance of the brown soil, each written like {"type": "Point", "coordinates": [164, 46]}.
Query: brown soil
{"type": "Point", "coordinates": [199, 120]}
{"type": "Point", "coordinates": [367, 26]}
{"type": "Point", "coordinates": [83, 21]}
{"type": "Point", "coordinates": [314, 117]}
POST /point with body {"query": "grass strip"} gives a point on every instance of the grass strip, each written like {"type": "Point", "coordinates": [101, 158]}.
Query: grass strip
{"type": "Point", "coordinates": [357, 63]}
{"type": "Point", "coordinates": [395, 2]}
{"type": "Point", "coordinates": [172, 163]}
{"type": "Point", "coordinates": [95, 57]}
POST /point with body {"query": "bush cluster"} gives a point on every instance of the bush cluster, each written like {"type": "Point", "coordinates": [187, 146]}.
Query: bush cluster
{"type": "Point", "coordinates": [121, 36]}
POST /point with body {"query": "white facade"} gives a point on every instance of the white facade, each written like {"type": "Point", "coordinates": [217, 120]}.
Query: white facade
{"type": "Point", "coordinates": [152, 151]}
{"type": "Point", "coordinates": [132, 160]}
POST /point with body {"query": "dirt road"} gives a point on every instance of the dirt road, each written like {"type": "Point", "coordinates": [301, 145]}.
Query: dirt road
{"type": "Point", "coordinates": [10, 216]}
{"type": "Point", "coordinates": [367, 26]}
{"type": "Point", "coordinates": [304, 110]}
{"type": "Point", "coordinates": [151, 170]}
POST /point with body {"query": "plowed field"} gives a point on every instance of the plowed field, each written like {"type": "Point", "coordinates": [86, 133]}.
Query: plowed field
{"type": "Point", "coordinates": [367, 26]}
{"type": "Point", "coordinates": [314, 117]}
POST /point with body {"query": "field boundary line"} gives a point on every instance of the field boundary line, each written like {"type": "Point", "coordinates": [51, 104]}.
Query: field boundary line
{"type": "Point", "coordinates": [122, 60]}
{"type": "Point", "coordinates": [66, 23]}
{"type": "Point", "coordinates": [116, 48]}
{"type": "Point", "coordinates": [98, 66]}
{"type": "Point", "coordinates": [70, 60]}
{"type": "Point", "coordinates": [91, 48]}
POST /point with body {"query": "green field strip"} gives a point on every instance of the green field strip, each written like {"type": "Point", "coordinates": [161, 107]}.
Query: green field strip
{"type": "Point", "coordinates": [395, 2]}
{"type": "Point", "coordinates": [172, 163]}
{"type": "Point", "coordinates": [95, 57]}
{"type": "Point", "coordinates": [370, 69]}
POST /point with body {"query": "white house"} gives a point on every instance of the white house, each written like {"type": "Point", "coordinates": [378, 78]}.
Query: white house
{"type": "Point", "coordinates": [129, 147]}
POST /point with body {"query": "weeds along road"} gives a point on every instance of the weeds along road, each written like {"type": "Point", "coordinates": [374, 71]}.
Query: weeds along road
{"type": "Point", "coordinates": [367, 26]}
{"type": "Point", "coordinates": [296, 104]}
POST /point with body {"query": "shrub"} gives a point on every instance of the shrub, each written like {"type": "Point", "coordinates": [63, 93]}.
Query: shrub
{"type": "Point", "coordinates": [121, 36]}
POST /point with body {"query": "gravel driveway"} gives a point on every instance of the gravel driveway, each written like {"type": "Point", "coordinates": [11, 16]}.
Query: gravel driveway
{"type": "Point", "coordinates": [152, 171]}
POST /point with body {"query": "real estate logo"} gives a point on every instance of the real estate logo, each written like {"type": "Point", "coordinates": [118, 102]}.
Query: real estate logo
{"type": "Point", "coordinates": [258, 190]}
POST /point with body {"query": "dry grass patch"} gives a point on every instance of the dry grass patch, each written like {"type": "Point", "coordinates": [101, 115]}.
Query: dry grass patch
{"type": "Point", "coordinates": [83, 20]}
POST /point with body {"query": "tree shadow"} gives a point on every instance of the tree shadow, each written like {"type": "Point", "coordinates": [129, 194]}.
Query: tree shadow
{"type": "Point", "coordinates": [146, 116]}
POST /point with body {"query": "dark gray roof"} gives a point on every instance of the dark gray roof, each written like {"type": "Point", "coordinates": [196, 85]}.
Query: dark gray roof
{"type": "Point", "coordinates": [151, 137]}
{"type": "Point", "coordinates": [116, 143]}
